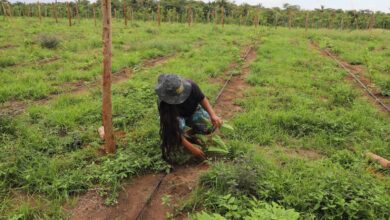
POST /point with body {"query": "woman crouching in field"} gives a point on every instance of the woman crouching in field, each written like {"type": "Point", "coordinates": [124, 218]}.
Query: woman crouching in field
{"type": "Point", "coordinates": [183, 109]}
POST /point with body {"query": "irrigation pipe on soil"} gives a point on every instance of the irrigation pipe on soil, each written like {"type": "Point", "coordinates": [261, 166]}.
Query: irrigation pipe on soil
{"type": "Point", "coordinates": [149, 199]}
{"type": "Point", "coordinates": [358, 80]}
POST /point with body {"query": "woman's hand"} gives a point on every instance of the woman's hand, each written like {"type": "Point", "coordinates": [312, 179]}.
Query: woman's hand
{"type": "Point", "coordinates": [192, 148]}
{"type": "Point", "coordinates": [198, 152]}
{"type": "Point", "coordinates": [216, 121]}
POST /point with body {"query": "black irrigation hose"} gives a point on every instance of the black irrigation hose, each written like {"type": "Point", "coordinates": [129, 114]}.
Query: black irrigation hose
{"type": "Point", "coordinates": [139, 216]}
{"type": "Point", "coordinates": [150, 197]}
{"type": "Point", "coordinates": [358, 80]}
{"type": "Point", "coordinates": [231, 76]}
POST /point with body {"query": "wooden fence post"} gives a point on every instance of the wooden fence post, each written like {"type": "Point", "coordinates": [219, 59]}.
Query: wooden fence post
{"type": "Point", "coordinates": [132, 14]}
{"type": "Point", "coordinates": [222, 16]}
{"type": "Point", "coordinates": [307, 21]}
{"type": "Point", "coordinates": [55, 11]}
{"type": "Point", "coordinates": [77, 11]}
{"type": "Point", "coordinates": [372, 22]}
{"type": "Point", "coordinates": [94, 13]}
{"type": "Point", "coordinates": [39, 12]}
{"type": "Point", "coordinates": [10, 10]}
{"type": "Point", "coordinates": [68, 13]}
{"type": "Point", "coordinates": [106, 86]}
{"type": "Point", "coordinates": [125, 12]}
{"type": "Point", "coordinates": [158, 14]}
{"type": "Point", "coordinates": [189, 15]}
{"type": "Point", "coordinates": [4, 11]}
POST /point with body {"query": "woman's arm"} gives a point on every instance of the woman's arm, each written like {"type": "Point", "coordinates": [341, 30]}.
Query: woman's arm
{"type": "Point", "coordinates": [190, 147]}
{"type": "Point", "coordinates": [217, 122]}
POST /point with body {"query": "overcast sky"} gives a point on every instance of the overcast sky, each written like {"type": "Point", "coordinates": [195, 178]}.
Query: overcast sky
{"type": "Point", "coordinates": [375, 5]}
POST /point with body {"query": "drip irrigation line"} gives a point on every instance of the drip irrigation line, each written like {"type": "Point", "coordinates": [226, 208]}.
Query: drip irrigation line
{"type": "Point", "coordinates": [139, 216]}
{"type": "Point", "coordinates": [231, 76]}
{"type": "Point", "coordinates": [359, 81]}
{"type": "Point", "coordinates": [157, 187]}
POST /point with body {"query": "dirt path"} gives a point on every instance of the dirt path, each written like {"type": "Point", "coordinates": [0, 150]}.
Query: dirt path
{"type": "Point", "coordinates": [142, 199]}
{"type": "Point", "coordinates": [236, 86]}
{"type": "Point", "coordinates": [374, 95]}
{"type": "Point", "coordinates": [13, 108]}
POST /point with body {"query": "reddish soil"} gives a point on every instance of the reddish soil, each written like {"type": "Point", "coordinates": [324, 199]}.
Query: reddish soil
{"type": "Point", "coordinates": [130, 201]}
{"type": "Point", "coordinates": [236, 87]}
{"type": "Point", "coordinates": [176, 185]}
{"type": "Point", "coordinates": [135, 199]}
{"type": "Point", "coordinates": [359, 71]}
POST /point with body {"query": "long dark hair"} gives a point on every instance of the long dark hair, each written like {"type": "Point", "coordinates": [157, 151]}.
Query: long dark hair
{"type": "Point", "coordinates": [169, 130]}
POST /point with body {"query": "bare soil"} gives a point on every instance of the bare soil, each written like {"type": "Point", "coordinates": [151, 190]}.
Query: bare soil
{"type": "Point", "coordinates": [130, 201]}
{"type": "Point", "coordinates": [225, 105]}
{"type": "Point", "coordinates": [175, 186]}
{"type": "Point", "coordinates": [359, 71]}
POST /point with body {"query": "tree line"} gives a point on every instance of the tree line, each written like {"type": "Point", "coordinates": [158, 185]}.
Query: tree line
{"type": "Point", "coordinates": [220, 11]}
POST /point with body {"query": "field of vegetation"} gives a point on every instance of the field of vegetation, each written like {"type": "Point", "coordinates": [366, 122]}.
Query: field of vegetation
{"type": "Point", "coordinates": [299, 141]}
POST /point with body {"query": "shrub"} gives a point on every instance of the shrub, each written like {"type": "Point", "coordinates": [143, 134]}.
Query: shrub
{"type": "Point", "coordinates": [239, 178]}
{"type": "Point", "coordinates": [49, 42]}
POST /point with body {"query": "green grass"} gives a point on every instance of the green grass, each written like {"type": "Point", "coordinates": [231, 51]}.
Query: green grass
{"type": "Point", "coordinates": [51, 150]}
{"type": "Point", "coordinates": [299, 100]}
{"type": "Point", "coordinates": [296, 100]}
{"type": "Point", "coordinates": [370, 49]}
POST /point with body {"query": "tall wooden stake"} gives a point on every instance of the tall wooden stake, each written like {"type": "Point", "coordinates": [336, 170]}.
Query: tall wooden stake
{"type": "Point", "coordinates": [125, 12]}
{"type": "Point", "coordinates": [372, 22]}
{"type": "Point", "coordinates": [131, 14]}
{"type": "Point", "coordinates": [39, 12]}
{"type": "Point", "coordinates": [356, 21]}
{"type": "Point", "coordinates": [158, 14]}
{"type": "Point", "coordinates": [222, 16]}
{"type": "Point", "coordinates": [189, 15]}
{"type": "Point", "coordinates": [4, 10]}
{"type": "Point", "coordinates": [55, 11]}
{"type": "Point", "coordinates": [307, 21]}
{"type": "Point", "coordinates": [77, 11]}
{"type": "Point", "coordinates": [10, 10]}
{"type": "Point", "coordinates": [94, 13]}
{"type": "Point", "coordinates": [107, 55]}
{"type": "Point", "coordinates": [68, 13]}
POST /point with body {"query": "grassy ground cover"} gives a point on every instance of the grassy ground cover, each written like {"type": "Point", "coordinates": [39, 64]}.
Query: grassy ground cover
{"type": "Point", "coordinates": [78, 53]}
{"type": "Point", "coordinates": [49, 154]}
{"type": "Point", "coordinates": [297, 150]}
{"type": "Point", "coordinates": [302, 137]}
{"type": "Point", "coordinates": [370, 49]}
